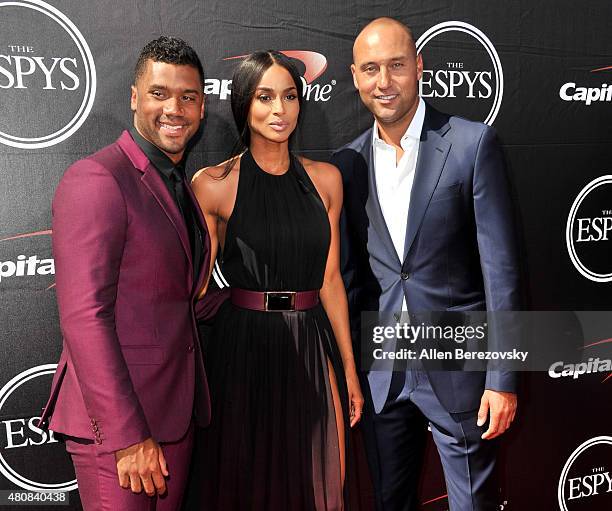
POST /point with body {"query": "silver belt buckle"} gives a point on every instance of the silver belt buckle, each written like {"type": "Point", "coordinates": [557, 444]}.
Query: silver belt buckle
{"type": "Point", "coordinates": [279, 300]}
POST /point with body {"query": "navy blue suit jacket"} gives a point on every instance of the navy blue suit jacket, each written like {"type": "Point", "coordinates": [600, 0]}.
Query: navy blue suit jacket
{"type": "Point", "coordinates": [460, 251]}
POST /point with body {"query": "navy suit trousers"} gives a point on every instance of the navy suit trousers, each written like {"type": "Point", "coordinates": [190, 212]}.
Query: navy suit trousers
{"type": "Point", "coordinates": [395, 442]}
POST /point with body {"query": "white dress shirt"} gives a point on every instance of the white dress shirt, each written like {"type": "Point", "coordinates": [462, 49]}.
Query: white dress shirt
{"type": "Point", "coordinates": [394, 180]}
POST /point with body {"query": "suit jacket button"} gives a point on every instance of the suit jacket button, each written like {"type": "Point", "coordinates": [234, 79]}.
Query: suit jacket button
{"type": "Point", "coordinates": [405, 276]}
{"type": "Point", "coordinates": [190, 348]}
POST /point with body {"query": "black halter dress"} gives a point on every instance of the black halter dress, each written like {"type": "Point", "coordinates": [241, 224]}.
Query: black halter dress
{"type": "Point", "coordinates": [273, 441]}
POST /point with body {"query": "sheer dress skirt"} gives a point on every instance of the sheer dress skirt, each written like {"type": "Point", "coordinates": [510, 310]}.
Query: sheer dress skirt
{"type": "Point", "coordinates": [273, 440]}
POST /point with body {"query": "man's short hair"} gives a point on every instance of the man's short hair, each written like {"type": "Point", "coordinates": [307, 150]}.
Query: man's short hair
{"type": "Point", "coordinates": [170, 50]}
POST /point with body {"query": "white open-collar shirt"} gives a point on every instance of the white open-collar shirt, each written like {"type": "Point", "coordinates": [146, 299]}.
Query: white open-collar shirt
{"type": "Point", "coordinates": [394, 181]}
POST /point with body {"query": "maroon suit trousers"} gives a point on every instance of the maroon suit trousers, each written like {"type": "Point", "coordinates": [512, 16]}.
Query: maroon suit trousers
{"type": "Point", "coordinates": [99, 484]}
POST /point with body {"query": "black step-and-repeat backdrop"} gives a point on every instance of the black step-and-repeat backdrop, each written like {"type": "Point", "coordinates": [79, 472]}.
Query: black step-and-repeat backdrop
{"type": "Point", "coordinates": [539, 71]}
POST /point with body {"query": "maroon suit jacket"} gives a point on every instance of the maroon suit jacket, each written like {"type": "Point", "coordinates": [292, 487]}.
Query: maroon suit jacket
{"type": "Point", "coordinates": [126, 297]}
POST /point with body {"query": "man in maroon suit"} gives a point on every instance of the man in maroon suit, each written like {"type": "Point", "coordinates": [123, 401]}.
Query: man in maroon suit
{"type": "Point", "coordinates": [131, 252]}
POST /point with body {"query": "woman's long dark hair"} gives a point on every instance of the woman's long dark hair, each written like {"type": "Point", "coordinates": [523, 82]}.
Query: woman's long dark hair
{"type": "Point", "coordinates": [244, 83]}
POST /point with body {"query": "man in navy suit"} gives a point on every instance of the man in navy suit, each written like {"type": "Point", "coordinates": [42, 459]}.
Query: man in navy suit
{"type": "Point", "coordinates": [427, 226]}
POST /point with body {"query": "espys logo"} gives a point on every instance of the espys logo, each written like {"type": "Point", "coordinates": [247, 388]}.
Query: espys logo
{"type": "Point", "coordinates": [314, 65]}
{"type": "Point", "coordinates": [46, 71]}
{"type": "Point", "coordinates": [462, 72]}
{"type": "Point", "coordinates": [571, 91]}
{"type": "Point", "coordinates": [27, 266]}
{"type": "Point", "coordinates": [586, 480]}
{"type": "Point", "coordinates": [588, 232]}
{"type": "Point", "coordinates": [23, 444]}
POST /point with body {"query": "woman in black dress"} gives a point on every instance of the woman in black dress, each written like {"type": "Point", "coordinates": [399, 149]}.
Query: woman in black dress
{"type": "Point", "coordinates": [281, 371]}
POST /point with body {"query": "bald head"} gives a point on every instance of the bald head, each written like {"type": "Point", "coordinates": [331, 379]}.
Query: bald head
{"type": "Point", "coordinates": [381, 29]}
{"type": "Point", "coordinates": [386, 71]}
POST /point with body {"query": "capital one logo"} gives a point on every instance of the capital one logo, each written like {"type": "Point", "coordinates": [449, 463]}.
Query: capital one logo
{"type": "Point", "coordinates": [27, 265]}
{"type": "Point", "coordinates": [47, 75]}
{"type": "Point", "coordinates": [24, 446]}
{"type": "Point", "coordinates": [588, 232]}
{"type": "Point", "coordinates": [601, 92]}
{"type": "Point", "coordinates": [462, 71]}
{"type": "Point", "coordinates": [314, 64]}
{"type": "Point", "coordinates": [586, 479]}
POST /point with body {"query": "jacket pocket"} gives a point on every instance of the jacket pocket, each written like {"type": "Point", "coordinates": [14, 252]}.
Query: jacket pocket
{"type": "Point", "coordinates": [142, 355]}
{"type": "Point", "coordinates": [446, 192]}
{"type": "Point", "coordinates": [480, 305]}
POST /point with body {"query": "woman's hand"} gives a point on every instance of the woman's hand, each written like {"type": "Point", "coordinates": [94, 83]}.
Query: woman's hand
{"type": "Point", "coordinates": [328, 182]}
{"type": "Point", "coordinates": [355, 397]}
